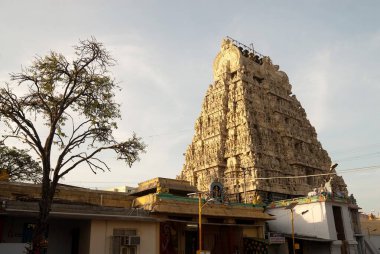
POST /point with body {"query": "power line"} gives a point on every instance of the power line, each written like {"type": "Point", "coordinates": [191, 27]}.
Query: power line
{"type": "Point", "coordinates": [258, 178]}
{"type": "Point", "coordinates": [314, 175]}
{"type": "Point", "coordinates": [282, 177]}
{"type": "Point", "coordinates": [96, 182]}
{"type": "Point", "coordinates": [355, 157]}
{"type": "Point", "coordinates": [354, 149]}
{"type": "Point", "coordinates": [168, 133]}
{"type": "Point", "coordinates": [338, 151]}
{"type": "Point", "coordinates": [357, 169]}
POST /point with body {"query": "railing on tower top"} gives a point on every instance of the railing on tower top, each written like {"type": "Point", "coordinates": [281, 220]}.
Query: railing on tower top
{"type": "Point", "coordinates": [245, 47]}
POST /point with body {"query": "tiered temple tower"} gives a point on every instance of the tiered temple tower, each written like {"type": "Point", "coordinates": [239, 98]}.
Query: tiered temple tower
{"type": "Point", "coordinates": [252, 127]}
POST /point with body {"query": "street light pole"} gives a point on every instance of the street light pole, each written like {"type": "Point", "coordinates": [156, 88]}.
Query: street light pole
{"type": "Point", "coordinates": [294, 249]}
{"type": "Point", "coordinates": [291, 208]}
{"type": "Point", "coordinates": [200, 206]}
{"type": "Point", "coordinates": [200, 220]}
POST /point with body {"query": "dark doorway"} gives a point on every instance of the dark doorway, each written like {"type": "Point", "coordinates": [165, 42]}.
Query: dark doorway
{"type": "Point", "coordinates": [75, 241]}
{"type": "Point", "coordinates": [337, 211]}
{"type": "Point", "coordinates": [338, 220]}
{"type": "Point", "coordinates": [191, 242]}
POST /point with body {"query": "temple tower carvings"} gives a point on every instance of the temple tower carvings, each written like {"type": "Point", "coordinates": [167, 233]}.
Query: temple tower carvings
{"type": "Point", "coordinates": [251, 126]}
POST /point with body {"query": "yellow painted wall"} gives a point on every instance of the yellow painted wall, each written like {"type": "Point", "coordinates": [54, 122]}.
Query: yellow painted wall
{"type": "Point", "coordinates": [252, 232]}
{"type": "Point", "coordinates": [102, 230]}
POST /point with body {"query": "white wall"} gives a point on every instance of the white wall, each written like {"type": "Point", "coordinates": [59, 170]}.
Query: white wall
{"type": "Point", "coordinates": [318, 222]}
{"type": "Point", "coordinates": [347, 222]}
{"type": "Point", "coordinates": [331, 222]}
{"type": "Point", "coordinates": [101, 232]}
{"type": "Point", "coordinates": [312, 223]}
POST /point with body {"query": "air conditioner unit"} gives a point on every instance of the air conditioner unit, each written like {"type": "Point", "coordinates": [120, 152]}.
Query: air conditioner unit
{"type": "Point", "coordinates": [130, 240]}
{"type": "Point", "coordinates": [134, 240]}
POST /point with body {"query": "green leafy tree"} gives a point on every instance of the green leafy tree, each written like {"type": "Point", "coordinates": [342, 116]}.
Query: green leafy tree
{"type": "Point", "coordinates": [18, 165]}
{"type": "Point", "coordinates": [66, 113]}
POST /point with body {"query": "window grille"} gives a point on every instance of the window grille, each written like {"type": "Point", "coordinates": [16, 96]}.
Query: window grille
{"type": "Point", "coordinates": [122, 243]}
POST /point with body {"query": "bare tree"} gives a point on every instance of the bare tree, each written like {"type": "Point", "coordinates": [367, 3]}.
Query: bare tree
{"type": "Point", "coordinates": [66, 114]}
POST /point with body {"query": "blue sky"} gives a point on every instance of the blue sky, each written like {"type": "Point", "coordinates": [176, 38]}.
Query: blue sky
{"type": "Point", "coordinates": [165, 50]}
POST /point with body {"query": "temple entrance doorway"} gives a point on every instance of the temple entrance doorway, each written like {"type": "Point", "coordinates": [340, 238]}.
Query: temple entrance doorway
{"type": "Point", "coordinates": [191, 242]}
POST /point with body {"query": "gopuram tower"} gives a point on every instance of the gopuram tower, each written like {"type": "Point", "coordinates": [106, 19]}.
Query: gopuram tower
{"type": "Point", "coordinates": [252, 127]}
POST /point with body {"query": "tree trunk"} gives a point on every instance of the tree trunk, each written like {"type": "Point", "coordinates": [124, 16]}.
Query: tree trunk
{"type": "Point", "coordinates": [39, 240]}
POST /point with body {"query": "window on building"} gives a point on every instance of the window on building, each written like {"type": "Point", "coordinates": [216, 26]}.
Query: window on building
{"type": "Point", "coordinates": [124, 241]}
